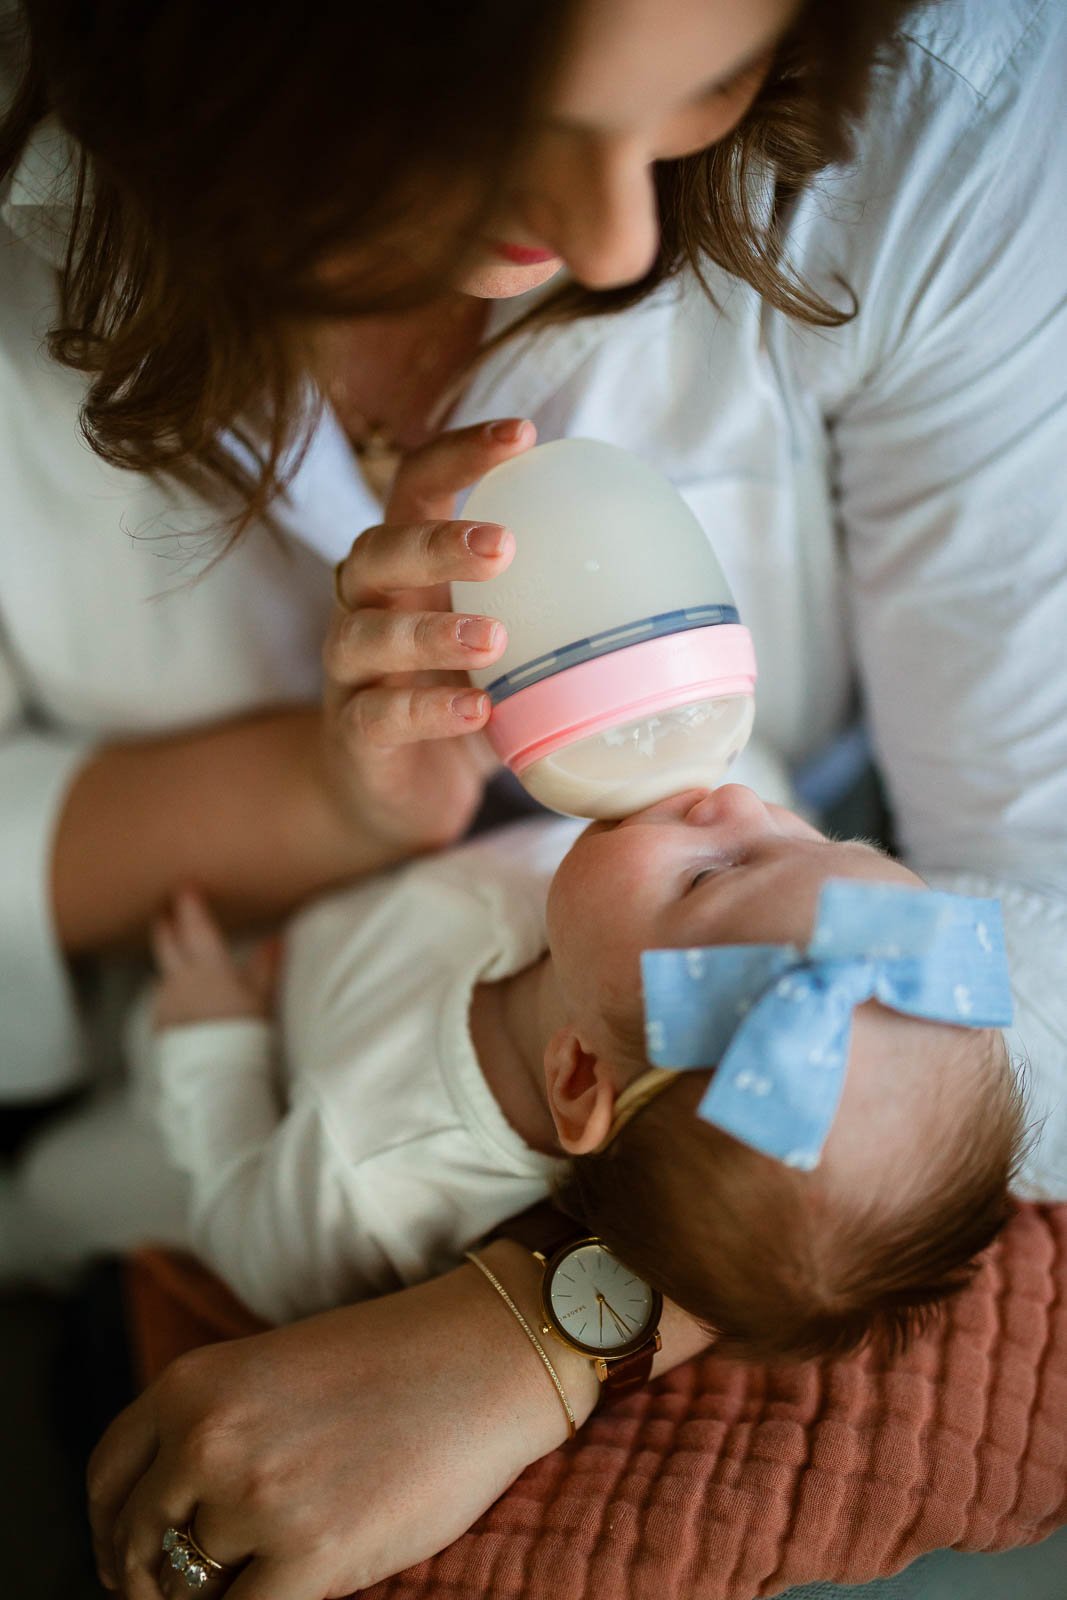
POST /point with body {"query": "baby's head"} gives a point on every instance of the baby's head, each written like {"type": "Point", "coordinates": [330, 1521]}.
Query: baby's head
{"type": "Point", "coordinates": [913, 1180]}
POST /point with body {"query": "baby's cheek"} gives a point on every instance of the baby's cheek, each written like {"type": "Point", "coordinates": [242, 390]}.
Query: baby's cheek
{"type": "Point", "coordinates": [598, 903]}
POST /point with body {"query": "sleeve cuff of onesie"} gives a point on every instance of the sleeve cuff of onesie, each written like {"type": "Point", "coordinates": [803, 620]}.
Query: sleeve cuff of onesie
{"type": "Point", "coordinates": [42, 1050]}
{"type": "Point", "coordinates": [1035, 928]}
{"type": "Point", "coordinates": [213, 1090]}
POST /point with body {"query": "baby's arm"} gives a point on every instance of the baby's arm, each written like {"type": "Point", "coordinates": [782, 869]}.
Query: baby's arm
{"type": "Point", "coordinates": [272, 1208]}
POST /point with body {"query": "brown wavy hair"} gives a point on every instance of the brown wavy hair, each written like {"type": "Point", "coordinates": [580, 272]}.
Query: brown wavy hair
{"type": "Point", "coordinates": [224, 161]}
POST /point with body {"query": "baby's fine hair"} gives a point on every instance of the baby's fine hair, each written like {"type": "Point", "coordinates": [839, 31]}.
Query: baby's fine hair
{"type": "Point", "coordinates": [775, 1264]}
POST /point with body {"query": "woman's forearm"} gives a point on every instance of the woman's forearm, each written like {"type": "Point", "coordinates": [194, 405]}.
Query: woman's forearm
{"type": "Point", "coordinates": [682, 1339]}
{"type": "Point", "coordinates": [546, 1423]}
{"type": "Point", "coordinates": [241, 810]}
{"type": "Point", "coordinates": [404, 1418]}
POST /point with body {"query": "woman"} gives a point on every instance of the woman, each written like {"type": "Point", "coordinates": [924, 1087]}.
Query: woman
{"type": "Point", "coordinates": [883, 491]}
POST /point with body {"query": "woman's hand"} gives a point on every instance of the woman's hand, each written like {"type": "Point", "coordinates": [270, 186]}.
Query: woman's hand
{"type": "Point", "coordinates": [324, 1456]}
{"type": "Point", "coordinates": [404, 744]}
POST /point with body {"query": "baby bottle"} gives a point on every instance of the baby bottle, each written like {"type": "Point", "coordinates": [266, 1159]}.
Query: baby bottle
{"type": "Point", "coordinates": [628, 676]}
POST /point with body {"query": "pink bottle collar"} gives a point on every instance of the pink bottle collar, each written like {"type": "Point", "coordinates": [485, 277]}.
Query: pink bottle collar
{"type": "Point", "coordinates": [657, 675]}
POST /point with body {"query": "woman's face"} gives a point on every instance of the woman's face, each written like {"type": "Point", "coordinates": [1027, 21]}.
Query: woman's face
{"type": "Point", "coordinates": [642, 81]}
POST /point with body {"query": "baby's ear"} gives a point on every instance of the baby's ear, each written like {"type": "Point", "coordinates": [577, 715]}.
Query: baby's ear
{"type": "Point", "coordinates": [581, 1093]}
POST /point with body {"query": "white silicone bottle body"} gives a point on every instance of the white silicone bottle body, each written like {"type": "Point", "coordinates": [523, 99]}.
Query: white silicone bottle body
{"type": "Point", "coordinates": [605, 545]}
{"type": "Point", "coordinates": [602, 540]}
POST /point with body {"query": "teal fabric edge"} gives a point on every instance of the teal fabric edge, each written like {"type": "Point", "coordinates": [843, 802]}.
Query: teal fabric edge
{"type": "Point", "coordinates": [1032, 1572]}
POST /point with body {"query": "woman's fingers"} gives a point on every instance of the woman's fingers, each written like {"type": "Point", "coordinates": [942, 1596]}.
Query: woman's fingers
{"type": "Point", "coordinates": [364, 646]}
{"type": "Point", "coordinates": [293, 1579]}
{"type": "Point", "coordinates": [155, 1505]}
{"type": "Point", "coordinates": [393, 557]}
{"type": "Point", "coordinates": [430, 477]}
{"type": "Point", "coordinates": [420, 544]}
{"type": "Point", "coordinates": [384, 717]}
{"type": "Point", "coordinates": [396, 656]}
{"type": "Point", "coordinates": [174, 1587]}
{"type": "Point", "coordinates": [123, 1455]}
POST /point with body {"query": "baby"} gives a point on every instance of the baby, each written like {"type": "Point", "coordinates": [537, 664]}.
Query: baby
{"type": "Point", "coordinates": [456, 1039]}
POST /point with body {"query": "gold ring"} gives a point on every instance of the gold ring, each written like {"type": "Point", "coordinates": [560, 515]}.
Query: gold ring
{"type": "Point", "coordinates": [209, 1561]}
{"type": "Point", "coordinates": [190, 1558]}
{"type": "Point", "coordinates": [338, 596]}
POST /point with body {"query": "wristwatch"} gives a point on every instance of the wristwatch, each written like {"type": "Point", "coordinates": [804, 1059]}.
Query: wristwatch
{"type": "Point", "coordinates": [590, 1300]}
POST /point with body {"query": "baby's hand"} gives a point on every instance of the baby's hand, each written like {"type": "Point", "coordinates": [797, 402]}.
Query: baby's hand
{"type": "Point", "coordinates": [199, 978]}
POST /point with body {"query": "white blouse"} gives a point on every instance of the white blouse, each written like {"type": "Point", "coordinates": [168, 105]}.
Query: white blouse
{"type": "Point", "coordinates": [888, 499]}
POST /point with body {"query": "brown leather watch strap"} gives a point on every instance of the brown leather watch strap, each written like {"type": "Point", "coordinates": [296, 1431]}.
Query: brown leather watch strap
{"type": "Point", "coordinates": [628, 1372]}
{"type": "Point", "coordinates": [543, 1227]}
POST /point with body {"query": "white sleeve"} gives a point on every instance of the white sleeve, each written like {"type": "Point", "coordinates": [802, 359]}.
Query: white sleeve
{"type": "Point", "coordinates": [272, 1209]}
{"type": "Point", "coordinates": [41, 1045]}
{"type": "Point", "coordinates": [951, 464]}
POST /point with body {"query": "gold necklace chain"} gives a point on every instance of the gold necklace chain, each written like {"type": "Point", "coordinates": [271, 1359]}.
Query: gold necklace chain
{"type": "Point", "coordinates": [377, 444]}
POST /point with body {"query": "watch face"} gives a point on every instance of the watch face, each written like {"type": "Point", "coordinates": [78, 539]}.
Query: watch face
{"type": "Point", "coordinates": [597, 1303]}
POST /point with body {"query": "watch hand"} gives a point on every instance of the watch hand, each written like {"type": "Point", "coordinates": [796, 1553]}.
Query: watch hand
{"type": "Point", "coordinates": [620, 1322]}
{"type": "Point", "coordinates": [600, 1297]}
{"type": "Point", "coordinates": [623, 1322]}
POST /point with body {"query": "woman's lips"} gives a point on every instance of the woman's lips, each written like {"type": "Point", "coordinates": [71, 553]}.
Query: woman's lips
{"type": "Point", "coordinates": [522, 255]}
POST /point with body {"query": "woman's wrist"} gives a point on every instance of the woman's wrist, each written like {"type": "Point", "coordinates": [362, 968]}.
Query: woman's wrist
{"type": "Point", "coordinates": [682, 1336]}
{"type": "Point", "coordinates": [520, 1274]}
{"type": "Point", "coordinates": [351, 839]}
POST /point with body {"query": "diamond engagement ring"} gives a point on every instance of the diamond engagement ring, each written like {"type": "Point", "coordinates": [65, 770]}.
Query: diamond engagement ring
{"type": "Point", "coordinates": [187, 1557]}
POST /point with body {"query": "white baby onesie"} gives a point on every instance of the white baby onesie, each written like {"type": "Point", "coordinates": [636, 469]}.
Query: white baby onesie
{"type": "Point", "coordinates": [357, 1146]}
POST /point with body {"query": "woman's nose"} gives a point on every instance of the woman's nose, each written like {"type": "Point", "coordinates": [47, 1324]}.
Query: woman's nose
{"type": "Point", "coordinates": [594, 204]}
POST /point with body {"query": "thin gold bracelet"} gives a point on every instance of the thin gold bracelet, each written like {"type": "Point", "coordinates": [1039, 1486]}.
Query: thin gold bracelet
{"type": "Point", "coordinates": [528, 1331]}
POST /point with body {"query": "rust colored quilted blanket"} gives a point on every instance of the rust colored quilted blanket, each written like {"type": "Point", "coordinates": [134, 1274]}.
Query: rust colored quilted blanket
{"type": "Point", "coordinates": [722, 1482]}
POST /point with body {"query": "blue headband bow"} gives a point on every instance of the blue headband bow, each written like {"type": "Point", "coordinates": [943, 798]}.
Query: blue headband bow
{"type": "Point", "coordinates": [777, 1021]}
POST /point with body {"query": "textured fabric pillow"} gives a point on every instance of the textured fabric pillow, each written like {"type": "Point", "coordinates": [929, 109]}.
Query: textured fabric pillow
{"type": "Point", "coordinates": [725, 1482]}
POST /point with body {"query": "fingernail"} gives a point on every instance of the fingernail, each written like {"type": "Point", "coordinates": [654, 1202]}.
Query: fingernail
{"type": "Point", "coordinates": [470, 705]}
{"type": "Point", "coordinates": [485, 539]}
{"type": "Point", "coordinates": [509, 432]}
{"type": "Point", "coordinates": [477, 633]}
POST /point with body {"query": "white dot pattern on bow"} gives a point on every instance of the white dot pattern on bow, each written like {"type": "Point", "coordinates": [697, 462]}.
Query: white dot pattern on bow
{"type": "Point", "coordinates": [818, 1057]}
{"type": "Point", "coordinates": [655, 1036]}
{"type": "Point", "coordinates": [962, 996]}
{"type": "Point", "coordinates": [803, 1160]}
